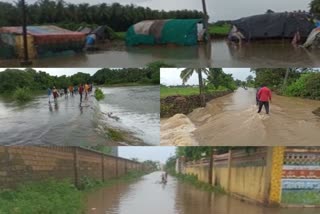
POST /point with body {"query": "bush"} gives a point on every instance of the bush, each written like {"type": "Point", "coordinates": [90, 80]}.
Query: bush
{"type": "Point", "coordinates": [22, 95]}
{"type": "Point", "coordinates": [98, 94]}
{"type": "Point", "coordinates": [42, 198]}
{"type": "Point", "coordinates": [308, 85]}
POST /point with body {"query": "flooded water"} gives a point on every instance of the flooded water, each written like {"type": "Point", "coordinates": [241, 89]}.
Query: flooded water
{"type": "Point", "coordinates": [263, 54]}
{"type": "Point", "coordinates": [66, 123]}
{"type": "Point", "coordinates": [137, 108]}
{"type": "Point", "coordinates": [60, 123]}
{"type": "Point", "coordinates": [218, 54]}
{"type": "Point", "coordinates": [148, 195]}
{"type": "Point", "coordinates": [291, 122]}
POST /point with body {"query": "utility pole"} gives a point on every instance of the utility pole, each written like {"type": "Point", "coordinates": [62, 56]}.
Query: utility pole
{"type": "Point", "coordinates": [206, 20]}
{"type": "Point", "coordinates": [25, 61]}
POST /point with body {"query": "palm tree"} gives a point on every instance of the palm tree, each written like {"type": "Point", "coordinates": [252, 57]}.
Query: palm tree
{"type": "Point", "coordinates": [188, 72]}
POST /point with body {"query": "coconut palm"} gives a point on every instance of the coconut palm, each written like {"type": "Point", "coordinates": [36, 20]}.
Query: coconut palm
{"type": "Point", "coordinates": [188, 72]}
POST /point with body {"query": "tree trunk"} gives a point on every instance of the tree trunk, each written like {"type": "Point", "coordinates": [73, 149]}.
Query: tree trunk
{"type": "Point", "coordinates": [285, 80]}
{"type": "Point", "coordinates": [202, 96]}
{"type": "Point", "coordinates": [25, 61]}
{"type": "Point", "coordinates": [206, 21]}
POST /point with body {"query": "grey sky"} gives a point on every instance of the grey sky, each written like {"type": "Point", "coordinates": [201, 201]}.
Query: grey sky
{"type": "Point", "coordinates": [155, 153]}
{"type": "Point", "coordinates": [63, 71]}
{"type": "Point", "coordinates": [217, 9]}
{"type": "Point", "coordinates": [171, 76]}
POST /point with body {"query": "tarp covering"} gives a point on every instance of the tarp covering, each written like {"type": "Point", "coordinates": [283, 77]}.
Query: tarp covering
{"type": "Point", "coordinates": [313, 39]}
{"type": "Point", "coordinates": [47, 34]}
{"type": "Point", "coordinates": [174, 31]}
{"type": "Point", "coordinates": [274, 25]}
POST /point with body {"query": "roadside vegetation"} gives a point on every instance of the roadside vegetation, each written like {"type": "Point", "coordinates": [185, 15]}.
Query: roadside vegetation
{"type": "Point", "coordinates": [98, 94]}
{"type": "Point", "coordinates": [219, 29]}
{"type": "Point", "coordinates": [48, 197]}
{"type": "Point", "coordinates": [295, 82]}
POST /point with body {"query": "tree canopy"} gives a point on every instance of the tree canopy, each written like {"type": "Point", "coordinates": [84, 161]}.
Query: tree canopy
{"type": "Point", "coordinates": [118, 17]}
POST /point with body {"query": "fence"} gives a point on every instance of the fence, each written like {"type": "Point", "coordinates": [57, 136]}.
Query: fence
{"type": "Point", "coordinates": [260, 175]}
{"type": "Point", "coordinates": [19, 164]}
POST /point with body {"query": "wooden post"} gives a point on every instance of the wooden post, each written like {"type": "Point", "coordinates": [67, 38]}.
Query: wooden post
{"type": "Point", "coordinates": [76, 166]}
{"type": "Point", "coordinates": [102, 167]}
{"type": "Point", "coordinates": [206, 21]}
{"type": "Point", "coordinates": [229, 169]}
{"type": "Point", "coordinates": [210, 166]}
{"type": "Point", "coordinates": [25, 61]}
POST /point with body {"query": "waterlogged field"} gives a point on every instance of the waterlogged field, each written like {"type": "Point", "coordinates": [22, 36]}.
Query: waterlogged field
{"type": "Point", "coordinates": [184, 91]}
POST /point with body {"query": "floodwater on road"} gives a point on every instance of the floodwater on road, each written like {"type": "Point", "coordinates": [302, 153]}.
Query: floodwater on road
{"type": "Point", "coordinates": [219, 54]}
{"type": "Point", "coordinates": [233, 120]}
{"type": "Point", "coordinates": [137, 108]}
{"type": "Point", "coordinates": [258, 54]}
{"type": "Point", "coordinates": [60, 123]}
{"type": "Point", "coordinates": [149, 195]}
{"type": "Point", "coordinates": [65, 122]}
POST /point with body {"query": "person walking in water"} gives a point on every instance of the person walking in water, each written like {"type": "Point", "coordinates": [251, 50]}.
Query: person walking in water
{"type": "Point", "coordinates": [80, 90]}
{"type": "Point", "coordinates": [264, 96]}
{"type": "Point", "coordinates": [86, 90]}
{"type": "Point", "coordinates": [71, 90]}
{"type": "Point", "coordinates": [49, 94]}
{"type": "Point", "coordinates": [55, 93]}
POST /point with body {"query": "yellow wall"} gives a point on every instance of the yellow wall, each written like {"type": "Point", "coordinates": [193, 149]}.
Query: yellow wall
{"type": "Point", "coordinates": [200, 171]}
{"type": "Point", "coordinates": [20, 48]}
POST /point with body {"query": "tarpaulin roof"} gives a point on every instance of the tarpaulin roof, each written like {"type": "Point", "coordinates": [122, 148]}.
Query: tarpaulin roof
{"type": "Point", "coordinates": [273, 25]}
{"type": "Point", "coordinates": [39, 30]}
{"type": "Point", "coordinates": [176, 31]}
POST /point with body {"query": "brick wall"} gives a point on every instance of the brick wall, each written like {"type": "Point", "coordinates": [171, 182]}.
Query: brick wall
{"type": "Point", "coordinates": [19, 164]}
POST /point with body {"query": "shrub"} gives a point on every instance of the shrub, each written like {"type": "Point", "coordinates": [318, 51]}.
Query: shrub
{"type": "Point", "coordinates": [22, 95]}
{"type": "Point", "coordinates": [98, 94]}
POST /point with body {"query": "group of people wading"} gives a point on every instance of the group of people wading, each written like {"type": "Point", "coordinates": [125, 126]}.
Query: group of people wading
{"type": "Point", "coordinates": [71, 90]}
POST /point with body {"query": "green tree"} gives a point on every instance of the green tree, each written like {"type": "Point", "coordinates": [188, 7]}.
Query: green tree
{"type": "Point", "coordinates": [188, 72]}
{"type": "Point", "coordinates": [315, 7]}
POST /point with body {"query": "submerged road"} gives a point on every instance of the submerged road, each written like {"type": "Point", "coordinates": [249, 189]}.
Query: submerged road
{"type": "Point", "coordinates": [233, 120]}
{"type": "Point", "coordinates": [148, 195]}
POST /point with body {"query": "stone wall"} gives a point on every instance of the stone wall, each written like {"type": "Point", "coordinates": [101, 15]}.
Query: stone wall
{"type": "Point", "coordinates": [19, 164]}
{"type": "Point", "coordinates": [172, 105]}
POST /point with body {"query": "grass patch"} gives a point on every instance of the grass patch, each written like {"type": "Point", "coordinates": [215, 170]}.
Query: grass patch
{"type": "Point", "coordinates": [172, 91]}
{"type": "Point", "coordinates": [115, 135]}
{"type": "Point", "coordinates": [22, 95]}
{"type": "Point", "coordinates": [193, 180]}
{"type": "Point", "coordinates": [50, 197]}
{"type": "Point", "coordinates": [42, 198]}
{"type": "Point", "coordinates": [120, 35]}
{"type": "Point", "coordinates": [220, 30]}
{"type": "Point", "coordinates": [306, 197]}
{"type": "Point", "coordinates": [98, 94]}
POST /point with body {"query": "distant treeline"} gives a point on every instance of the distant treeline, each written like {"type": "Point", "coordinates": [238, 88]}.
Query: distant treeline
{"type": "Point", "coordinates": [118, 17]}
{"type": "Point", "coordinates": [13, 79]}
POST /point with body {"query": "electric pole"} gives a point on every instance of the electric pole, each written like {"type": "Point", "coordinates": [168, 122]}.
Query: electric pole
{"type": "Point", "coordinates": [25, 61]}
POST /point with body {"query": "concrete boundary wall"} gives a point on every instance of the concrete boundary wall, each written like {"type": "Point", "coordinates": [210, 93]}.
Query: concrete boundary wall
{"type": "Point", "coordinates": [250, 175]}
{"type": "Point", "coordinates": [20, 164]}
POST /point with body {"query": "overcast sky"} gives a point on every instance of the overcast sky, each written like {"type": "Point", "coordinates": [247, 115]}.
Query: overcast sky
{"type": "Point", "coordinates": [217, 9]}
{"type": "Point", "coordinates": [155, 153]}
{"type": "Point", "coordinates": [171, 76]}
{"type": "Point", "coordinates": [63, 71]}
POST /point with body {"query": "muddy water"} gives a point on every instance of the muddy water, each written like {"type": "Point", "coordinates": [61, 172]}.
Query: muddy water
{"type": "Point", "coordinates": [137, 108]}
{"type": "Point", "coordinates": [218, 54]}
{"type": "Point", "coordinates": [233, 120]}
{"type": "Point", "coordinates": [60, 123]}
{"type": "Point", "coordinates": [263, 54]}
{"type": "Point", "coordinates": [148, 195]}
{"type": "Point", "coordinates": [194, 56]}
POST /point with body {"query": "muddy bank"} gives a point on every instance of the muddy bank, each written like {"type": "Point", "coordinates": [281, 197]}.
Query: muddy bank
{"type": "Point", "coordinates": [172, 105]}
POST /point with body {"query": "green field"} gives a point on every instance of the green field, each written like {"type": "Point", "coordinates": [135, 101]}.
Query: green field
{"type": "Point", "coordinates": [172, 91]}
{"type": "Point", "coordinates": [220, 30]}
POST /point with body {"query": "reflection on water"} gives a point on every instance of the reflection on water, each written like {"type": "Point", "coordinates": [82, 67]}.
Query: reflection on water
{"type": "Point", "coordinates": [218, 54]}
{"type": "Point", "coordinates": [150, 196]}
{"type": "Point", "coordinates": [263, 54]}
{"type": "Point", "coordinates": [137, 108]}
{"type": "Point", "coordinates": [292, 121]}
